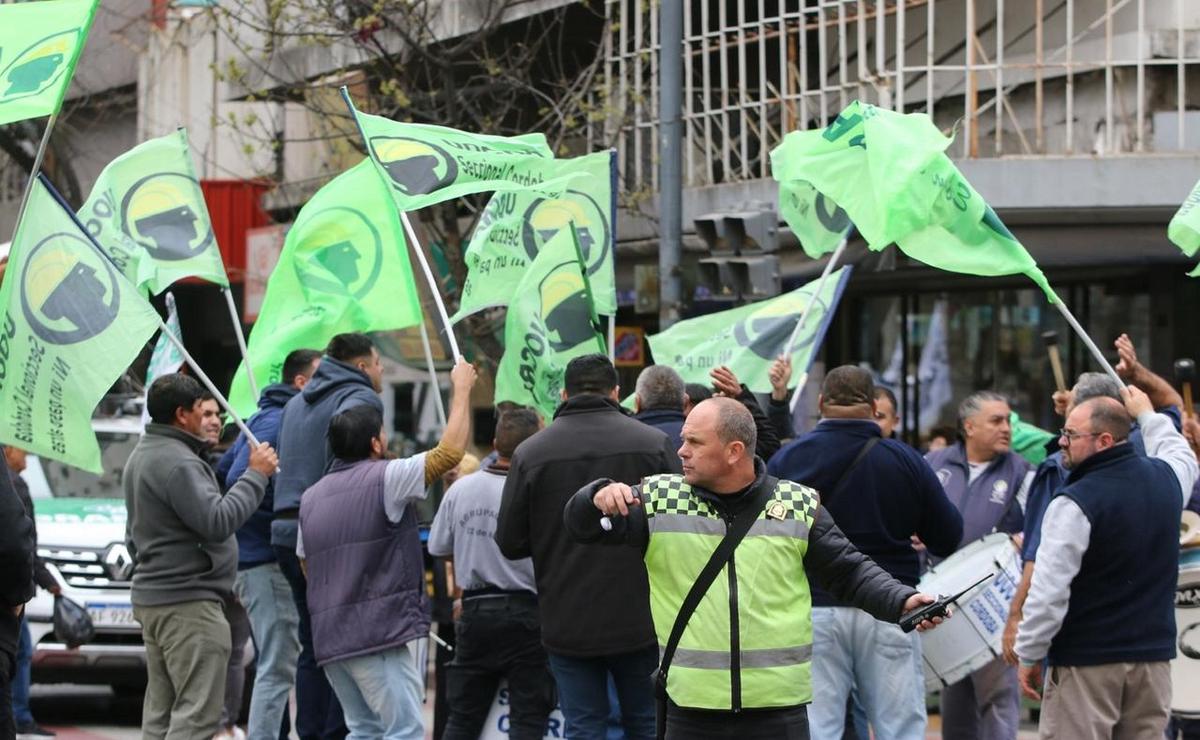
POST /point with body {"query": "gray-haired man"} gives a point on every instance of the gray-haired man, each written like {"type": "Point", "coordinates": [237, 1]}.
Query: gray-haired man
{"type": "Point", "coordinates": [659, 399]}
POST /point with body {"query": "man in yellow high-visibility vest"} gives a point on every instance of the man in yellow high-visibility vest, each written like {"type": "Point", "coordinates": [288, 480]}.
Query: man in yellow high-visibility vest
{"type": "Point", "coordinates": [742, 667]}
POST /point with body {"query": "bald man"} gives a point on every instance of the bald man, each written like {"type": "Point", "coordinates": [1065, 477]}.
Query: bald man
{"type": "Point", "coordinates": [1101, 607]}
{"type": "Point", "coordinates": [742, 667]}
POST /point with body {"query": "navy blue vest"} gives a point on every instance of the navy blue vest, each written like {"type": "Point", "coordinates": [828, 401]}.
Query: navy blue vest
{"type": "Point", "coordinates": [1122, 607]}
{"type": "Point", "coordinates": [987, 504]}
{"type": "Point", "coordinates": [366, 585]}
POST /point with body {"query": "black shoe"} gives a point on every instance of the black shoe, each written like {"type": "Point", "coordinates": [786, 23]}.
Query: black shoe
{"type": "Point", "coordinates": [32, 732]}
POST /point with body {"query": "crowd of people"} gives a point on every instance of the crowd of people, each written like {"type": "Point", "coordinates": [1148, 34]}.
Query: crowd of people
{"type": "Point", "coordinates": [691, 569]}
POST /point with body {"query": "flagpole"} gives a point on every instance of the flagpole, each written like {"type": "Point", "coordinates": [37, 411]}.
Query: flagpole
{"type": "Point", "coordinates": [812, 299]}
{"type": "Point", "coordinates": [1087, 341]}
{"type": "Point", "coordinates": [433, 378]}
{"type": "Point", "coordinates": [587, 289]}
{"type": "Point", "coordinates": [612, 338]}
{"type": "Point", "coordinates": [433, 288]}
{"type": "Point", "coordinates": [33, 173]}
{"type": "Point", "coordinates": [241, 339]}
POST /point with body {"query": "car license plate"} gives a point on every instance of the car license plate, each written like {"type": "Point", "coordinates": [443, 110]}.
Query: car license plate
{"type": "Point", "coordinates": [111, 615]}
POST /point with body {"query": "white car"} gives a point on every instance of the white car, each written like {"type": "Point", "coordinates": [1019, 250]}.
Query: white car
{"type": "Point", "coordinates": [81, 537]}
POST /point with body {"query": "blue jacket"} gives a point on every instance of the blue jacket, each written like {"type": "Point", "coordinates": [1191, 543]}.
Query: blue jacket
{"type": "Point", "coordinates": [304, 453]}
{"type": "Point", "coordinates": [989, 502]}
{"type": "Point", "coordinates": [1122, 605]}
{"type": "Point", "coordinates": [667, 421]}
{"type": "Point", "coordinates": [889, 496]}
{"type": "Point", "coordinates": [254, 538]}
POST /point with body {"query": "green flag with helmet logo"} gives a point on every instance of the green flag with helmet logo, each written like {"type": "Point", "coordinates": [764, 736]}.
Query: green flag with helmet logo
{"type": "Point", "coordinates": [747, 339]}
{"type": "Point", "coordinates": [40, 43]}
{"type": "Point", "coordinates": [551, 320]}
{"type": "Point", "coordinates": [817, 221]}
{"type": "Point", "coordinates": [1184, 229]}
{"type": "Point", "coordinates": [72, 324]}
{"type": "Point", "coordinates": [344, 267]}
{"type": "Point", "coordinates": [516, 223]}
{"type": "Point", "coordinates": [890, 173]}
{"type": "Point", "coordinates": [424, 164]}
{"type": "Point", "coordinates": [148, 214]}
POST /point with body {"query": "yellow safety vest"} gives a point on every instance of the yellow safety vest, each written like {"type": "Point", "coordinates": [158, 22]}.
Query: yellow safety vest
{"type": "Point", "coordinates": [749, 643]}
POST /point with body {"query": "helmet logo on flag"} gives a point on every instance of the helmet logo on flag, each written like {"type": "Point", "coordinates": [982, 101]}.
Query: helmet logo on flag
{"type": "Point", "coordinates": [165, 213]}
{"type": "Point", "coordinates": [342, 253]}
{"type": "Point", "coordinates": [836, 221]}
{"type": "Point", "coordinates": [415, 167]}
{"type": "Point", "coordinates": [545, 217]}
{"type": "Point", "coordinates": [69, 292]}
{"type": "Point", "coordinates": [565, 309]}
{"type": "Point", "coordinates": [765, 331]}
{"type": "Point", "coordinates": [38, 67]}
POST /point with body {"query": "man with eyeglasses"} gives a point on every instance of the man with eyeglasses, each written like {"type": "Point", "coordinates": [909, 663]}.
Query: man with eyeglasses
{"type": "Point", "coordinates": [1101, 604]}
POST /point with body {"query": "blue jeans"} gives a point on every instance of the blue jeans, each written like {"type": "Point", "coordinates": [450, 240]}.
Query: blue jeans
{"type": "Point", "coordinates": [381, 693]}
{"type": "Point", "coordinates": [318, 714]}
{"type": "Point", "coordinates": [853, 650]}
{"type": "Point", "coordinates": [21, 680]}
{"type": "Point", "coordinates": [274, 622]}
{"type": "Point", "coordinates": [583, 693]}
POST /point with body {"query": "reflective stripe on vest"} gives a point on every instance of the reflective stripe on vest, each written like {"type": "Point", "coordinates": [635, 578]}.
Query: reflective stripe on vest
{"type": "Point", "coordinates": [763, 592]}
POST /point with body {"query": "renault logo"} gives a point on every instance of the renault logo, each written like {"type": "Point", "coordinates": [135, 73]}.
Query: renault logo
{"type": "Point", "coordinates": [118, 562]}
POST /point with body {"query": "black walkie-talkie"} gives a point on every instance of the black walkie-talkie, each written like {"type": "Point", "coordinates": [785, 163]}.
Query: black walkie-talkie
{"type": "Point", "coordinates": [938, 608]}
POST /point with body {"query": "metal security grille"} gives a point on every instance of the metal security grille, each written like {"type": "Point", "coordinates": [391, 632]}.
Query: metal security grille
{"type": "Point", "coordinates": [1011, 77]}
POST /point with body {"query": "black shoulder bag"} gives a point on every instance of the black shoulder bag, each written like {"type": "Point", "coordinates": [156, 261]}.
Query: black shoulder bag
{"type": "Point", "coordinates": [734, 534]}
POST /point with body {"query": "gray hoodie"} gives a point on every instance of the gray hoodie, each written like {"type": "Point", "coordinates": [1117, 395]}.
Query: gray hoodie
{"type": "Point", "coordinates": [180, 528]}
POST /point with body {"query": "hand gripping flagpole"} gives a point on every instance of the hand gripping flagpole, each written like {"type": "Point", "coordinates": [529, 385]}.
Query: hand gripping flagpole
{"type": "Point", "coordinates": [812, 299]}
{"type": "Point", "coordinates": [162, 325]}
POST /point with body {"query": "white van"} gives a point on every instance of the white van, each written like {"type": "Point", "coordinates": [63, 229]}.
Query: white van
{"type": "Point", "coordinates": [81, 537]}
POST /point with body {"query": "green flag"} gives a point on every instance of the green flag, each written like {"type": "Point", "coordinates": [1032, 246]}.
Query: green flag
{"type": "Point", "coordinates": [749, 338]}
{"type": "Point", "coordinates": [550, 321]}
{"type": "Point", "coordinates": [40, 43]}
{"type": "Point", "coordinates": [344, 267]}
{"type": "Point", "coordinates": [890, 173]}
{"type": "Point", "coordinates": [817, 222]}
{"type": "Point", "coordinates": [1184, 229]}
{"type": "Point", "coordinates": [149, 215]}
{"type": "Point", "coordinates": [72, 325]}
{"type": "Point", "coordinates": [1029, 441]}
{"type": "Point", "coordinates": [516, 224]}
{"type": "Point", "coordinates": [424, 164]}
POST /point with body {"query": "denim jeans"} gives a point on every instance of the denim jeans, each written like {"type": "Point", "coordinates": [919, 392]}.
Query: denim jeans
{"type": "Point", "coordinates": [583, 692]}
{"type": "Point", "coordinates": [318, 714]}
{"type": "Point", "coordinates": [274, 622]}
{"type": "Point", "coordinates": [853, 650]}
{"type": "Point", "coordinates": [21, 680]}
{"type": "Point", "coordinates": [381, 693]}
{"type": "Point", "coordinates": [499, 637]}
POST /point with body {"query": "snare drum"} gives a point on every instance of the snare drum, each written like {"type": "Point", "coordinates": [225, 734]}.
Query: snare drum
{"type": "Point", "coordinates": [1185, 669]}
{"type": "Point", "coordinates": [971, 638]}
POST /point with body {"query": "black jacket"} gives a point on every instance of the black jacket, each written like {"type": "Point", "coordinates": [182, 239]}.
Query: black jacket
{"type": "Point", "coordinates": [17, 553]}
{"type": "Point", "coordinates": [593, 601]}
{"type": "Point", "coordinates": [831, 560]}
{"type": "Point", "coordinates": [41, 574]}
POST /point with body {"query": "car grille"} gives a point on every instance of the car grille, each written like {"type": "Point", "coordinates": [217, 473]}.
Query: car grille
{"type": "Point", "coordinates": [109, 567]}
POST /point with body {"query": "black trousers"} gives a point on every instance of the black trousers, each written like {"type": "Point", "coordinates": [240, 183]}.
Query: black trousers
{"type": "Point", "coordinates": [8, 667]}
{"type": "Point", "coordinates": [755, 724]}
{"type": "Point", "coordinates": [499, 637]}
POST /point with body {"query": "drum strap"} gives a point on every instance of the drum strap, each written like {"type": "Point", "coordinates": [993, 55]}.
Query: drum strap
{"type": "Point", "coordinates": [862, 453]}
{"type": "Point", "coordinates": [735, 532]}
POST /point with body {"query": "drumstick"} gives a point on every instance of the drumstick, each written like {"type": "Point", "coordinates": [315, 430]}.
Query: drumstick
{"type": "Point", "coordinates": [1051, 340]}
{"type": "Point", "coordinates": [1185, 373]}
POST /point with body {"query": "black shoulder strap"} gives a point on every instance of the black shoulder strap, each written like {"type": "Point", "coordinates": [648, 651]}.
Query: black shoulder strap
{"type": "Point", "coordinates": [862, 453]}
{"type": "Point", "coordinates": [733, 536]}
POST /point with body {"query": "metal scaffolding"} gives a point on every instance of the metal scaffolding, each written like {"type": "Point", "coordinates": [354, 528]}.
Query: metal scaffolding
{"type": "Point", "coordinates": [1013, 77]}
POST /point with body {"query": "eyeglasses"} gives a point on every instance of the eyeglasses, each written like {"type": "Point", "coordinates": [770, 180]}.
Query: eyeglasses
{"type": "Point", "coordinates": [1072, 436]}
